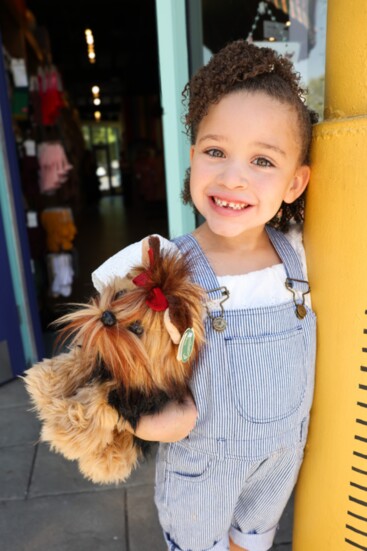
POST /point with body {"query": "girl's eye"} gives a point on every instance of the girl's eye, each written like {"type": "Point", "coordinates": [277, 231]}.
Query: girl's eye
{"type": "Point", "coordinates": [214, 153]}
{"type": "Point", "coordinates": [261, 161]}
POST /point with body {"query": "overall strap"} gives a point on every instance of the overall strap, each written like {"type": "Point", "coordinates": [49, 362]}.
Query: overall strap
{"type": "Point", "coordinates": [287, 254]}
{"type": "Point", "coordinates": [202, 272]}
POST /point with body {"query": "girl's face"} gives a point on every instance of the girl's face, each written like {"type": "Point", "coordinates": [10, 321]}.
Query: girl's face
{"type": "Point", "coordinates": [245, 162]}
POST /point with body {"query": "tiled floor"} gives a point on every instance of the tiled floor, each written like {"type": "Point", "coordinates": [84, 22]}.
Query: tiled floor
{"type": "Point", "coordinates": [46, 504]}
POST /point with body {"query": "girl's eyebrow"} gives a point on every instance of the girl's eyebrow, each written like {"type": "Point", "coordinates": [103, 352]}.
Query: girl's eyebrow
{"type": "Point", "coordinates": [215, 137]}
{"type": "Point", "coordinates": [272, 147]}
{"type": "Point", "coordinates": [219, 137]}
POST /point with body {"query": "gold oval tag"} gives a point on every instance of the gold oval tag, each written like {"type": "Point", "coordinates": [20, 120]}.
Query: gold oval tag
{"type": "Point", "coordinates": [219, 324]}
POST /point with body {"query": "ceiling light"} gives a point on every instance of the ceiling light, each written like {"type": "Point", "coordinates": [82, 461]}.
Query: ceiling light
{"type": "Point", "coordinates": [97, 115]}
{"type": "Point", "coordinates": [95, 90]}
{"type": "Point", "coordinates": [97, 101]}
{"type": "Point", "coordinates": [90, 43]}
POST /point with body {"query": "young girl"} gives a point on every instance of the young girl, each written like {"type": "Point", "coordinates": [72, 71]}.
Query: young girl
{"type": "Point", "coordinates": [230, 455]}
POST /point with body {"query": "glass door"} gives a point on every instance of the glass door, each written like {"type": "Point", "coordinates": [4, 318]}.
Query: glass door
{"type": "Point", "coordinates": [295, 28]}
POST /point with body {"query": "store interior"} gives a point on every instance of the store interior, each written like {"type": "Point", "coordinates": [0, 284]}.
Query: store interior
{"type": "Point", "coordinates": [83, 85]}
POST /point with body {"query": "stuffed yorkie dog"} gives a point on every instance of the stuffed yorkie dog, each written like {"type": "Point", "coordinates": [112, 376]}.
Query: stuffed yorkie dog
{"type": "Point", "coordinates": [130, 352]}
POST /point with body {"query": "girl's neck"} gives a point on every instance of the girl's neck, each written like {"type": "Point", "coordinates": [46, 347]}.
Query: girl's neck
{"type": "Point", "coordinates": [246, 242]}
{"type": "Point", "coordinates": [237, 255]}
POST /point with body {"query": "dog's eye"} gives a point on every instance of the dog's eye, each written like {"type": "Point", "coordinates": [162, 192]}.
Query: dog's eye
{"type": "Point", "coordinates": [119, 294]}
{"type": "Point", "coordinates": [136, 328]}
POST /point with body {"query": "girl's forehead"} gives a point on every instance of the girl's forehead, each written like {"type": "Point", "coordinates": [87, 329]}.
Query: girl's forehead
{"type": "Point", "coordinates": [251, 109]}
{"type": "Point", "coordinates": [260, 100]}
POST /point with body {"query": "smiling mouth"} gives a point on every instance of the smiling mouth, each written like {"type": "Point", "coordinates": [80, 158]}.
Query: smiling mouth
{"type": "Point", "coordinates": [230, 204]}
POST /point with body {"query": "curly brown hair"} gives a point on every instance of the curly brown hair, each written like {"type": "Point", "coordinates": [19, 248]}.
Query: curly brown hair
{"type": "Point", "coordinates": [244, 66]}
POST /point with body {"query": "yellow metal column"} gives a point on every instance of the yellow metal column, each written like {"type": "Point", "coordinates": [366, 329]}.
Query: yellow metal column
{"type": "Point", "coordinates": [331, 497]}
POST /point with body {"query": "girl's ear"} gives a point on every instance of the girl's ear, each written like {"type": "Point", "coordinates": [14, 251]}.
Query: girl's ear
{"type": "Point", "coordinates": [298, 185]}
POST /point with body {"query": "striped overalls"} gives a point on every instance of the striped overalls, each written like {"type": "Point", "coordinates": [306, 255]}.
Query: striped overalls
{"type": "Point", "coordinates": [253, 387]}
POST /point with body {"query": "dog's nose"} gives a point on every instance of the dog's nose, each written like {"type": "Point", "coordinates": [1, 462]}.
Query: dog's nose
{"type": "Point", "coordinates": [108, 318]}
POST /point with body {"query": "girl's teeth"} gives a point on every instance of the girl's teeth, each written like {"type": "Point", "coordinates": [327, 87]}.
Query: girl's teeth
{"type": "Point", "coordinates": [231, 205]}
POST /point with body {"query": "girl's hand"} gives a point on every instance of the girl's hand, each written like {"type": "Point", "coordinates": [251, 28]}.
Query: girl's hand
{"type": "Point", "coordinates": [173, 423]}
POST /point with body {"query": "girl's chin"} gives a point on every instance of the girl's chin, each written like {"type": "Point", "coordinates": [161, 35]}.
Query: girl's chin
{"type": "Point", "coordinates": [232, 232]}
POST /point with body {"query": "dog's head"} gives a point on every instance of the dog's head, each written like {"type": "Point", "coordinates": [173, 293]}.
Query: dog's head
{"type": "Point", "coordinates": [146, 328]}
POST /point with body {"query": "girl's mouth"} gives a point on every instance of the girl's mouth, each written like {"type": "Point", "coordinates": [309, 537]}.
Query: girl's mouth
{"type": "Point", "coordinates": [229, 204]}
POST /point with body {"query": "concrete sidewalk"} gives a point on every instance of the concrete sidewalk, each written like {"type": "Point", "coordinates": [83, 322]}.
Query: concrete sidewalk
{"type": "Point", "coordinates": [45, 504]}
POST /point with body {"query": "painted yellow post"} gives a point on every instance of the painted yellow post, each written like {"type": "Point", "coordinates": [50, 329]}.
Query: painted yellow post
{"type": "Point", "coordinates": [331, 497]}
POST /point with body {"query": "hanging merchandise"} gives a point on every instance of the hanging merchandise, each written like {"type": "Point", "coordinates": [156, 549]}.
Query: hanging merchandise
{"type": "Point", "coordinates": [50, 91]}
{"type": "Point", "coordinates": [19, 72]}
{"type": "Point", "coordinates": [54, 167]}
{"type": "Point", "coordinates": [29, 147]}
{"type": "Point", "coordinates": [19, 103]}
{"type": "Point", "coordinates": [49, 146]}
{"type": "Point", "coordinates": [20, 92]}
{"type": "Point", "coordinates": [61, 274]}
{"type": "Point", "coordinates": [60, 228]}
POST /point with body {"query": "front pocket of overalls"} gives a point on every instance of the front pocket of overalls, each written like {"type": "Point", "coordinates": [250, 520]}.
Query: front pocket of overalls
{"type": "Point", "coordinates": [268, 375]}
{"type": "Point", "coordinates": [188, 465]}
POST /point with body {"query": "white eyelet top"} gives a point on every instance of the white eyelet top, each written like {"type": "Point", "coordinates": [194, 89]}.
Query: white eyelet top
{"type": "Point", "coordinates": [261, 288]}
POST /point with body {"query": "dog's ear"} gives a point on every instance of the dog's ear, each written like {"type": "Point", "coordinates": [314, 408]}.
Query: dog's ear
{"type": "Point", "coordinates": [152, 242]}
{"type": "Point", "coordinates": [144, 252]}
{"type": "Point", "coordinates": [168, 274]}
{"type": "Point", "coordinates": [172, 330]}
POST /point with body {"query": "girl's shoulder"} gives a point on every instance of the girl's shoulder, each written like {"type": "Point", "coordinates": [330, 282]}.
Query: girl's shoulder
{"type": "Point", "coordinates": [121, 263]}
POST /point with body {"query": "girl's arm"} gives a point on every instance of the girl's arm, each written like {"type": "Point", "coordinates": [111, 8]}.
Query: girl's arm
{"type": "Point", "coordinates": [173, 423]}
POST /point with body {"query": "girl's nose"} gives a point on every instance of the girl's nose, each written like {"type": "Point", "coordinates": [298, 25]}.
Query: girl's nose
{"type": "Point", "coordinates": [235, 176]}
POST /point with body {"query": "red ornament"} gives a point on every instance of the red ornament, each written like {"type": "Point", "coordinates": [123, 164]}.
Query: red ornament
{"type": "Point", "coordinates": [156, 299]}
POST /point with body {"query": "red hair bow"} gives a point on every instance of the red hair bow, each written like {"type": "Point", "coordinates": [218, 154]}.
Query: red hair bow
{"type": "Point", "coordinates": [156, 299]}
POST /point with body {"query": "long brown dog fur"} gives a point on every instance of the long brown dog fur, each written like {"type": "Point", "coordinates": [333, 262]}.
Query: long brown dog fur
{"type": "Point", "coordinates": [71, 392]}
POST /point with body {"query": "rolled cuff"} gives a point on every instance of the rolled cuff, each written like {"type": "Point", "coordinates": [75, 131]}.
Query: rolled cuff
{"type": "Point", "coordinates": [222, 545]}
{"type": "Point", "coordinates": [253, 542]}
